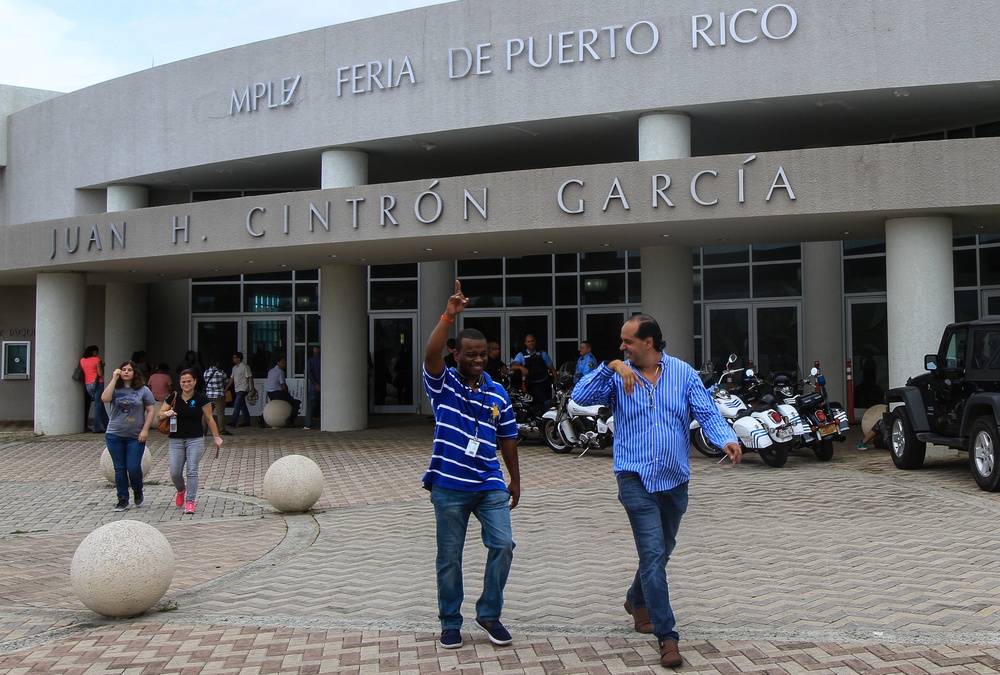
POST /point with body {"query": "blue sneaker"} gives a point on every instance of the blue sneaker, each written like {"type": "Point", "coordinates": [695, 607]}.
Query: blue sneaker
{"type": "Point", "coordinates": [451, 638]}
{"type": "Point", "coordinates": [498, 634]}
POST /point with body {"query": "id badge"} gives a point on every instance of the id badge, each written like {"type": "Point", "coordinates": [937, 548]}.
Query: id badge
{"type": "Point", "coordinates": [472, 448]}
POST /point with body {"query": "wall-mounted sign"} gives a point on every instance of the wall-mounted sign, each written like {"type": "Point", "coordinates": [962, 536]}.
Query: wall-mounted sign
{"type": "Point", "coordinates": [16, 361]}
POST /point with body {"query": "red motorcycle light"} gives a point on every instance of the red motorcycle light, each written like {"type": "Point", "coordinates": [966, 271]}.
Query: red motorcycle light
{"type": "Point", "coordinates": [820, 416]}
{"type": "Point", "coordinates": [775, 416]}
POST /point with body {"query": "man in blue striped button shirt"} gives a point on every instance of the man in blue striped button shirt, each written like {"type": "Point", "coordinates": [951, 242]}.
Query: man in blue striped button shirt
{"type": "Point", "coordinates": [653, 398]}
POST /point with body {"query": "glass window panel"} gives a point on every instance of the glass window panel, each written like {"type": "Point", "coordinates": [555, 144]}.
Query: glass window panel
{"type": "Point", "coordinates": [696, 256]}
{"type": "Point", "coordinates": [604, 260]}
{"type": "Point", "coordinates": [530, 264]}
{"type": "Point", "coordinates": [634, 259]}
{"type": "Point", "coordinates": [268, 276]}
{"type": "Point", "coordinates": [483, 292]}
{"type": "Point", "coordinates": [864, 275]}
{"type": "Point", "coordinates": [267, 298]}
{"type": "Point", "coordinates": [312, 329]}
{"type": "Point", "coordinates": [864, 246]}
{"type": "Point", "coordinates": [211, 298]}
{"type": "Point", "coordinates": [966, 305]}
{"type": "Point", "coordinates": [989, 266]}
{"type": "Point", "coordinates": [725, 255]}
{"type": "Point", "coordinates": [602, 289]}
{"type": "Point", "coordinates": [634, 287]}
{"type": "Point", "coordinates": [404, 271]}
{"type": "Point", "coordinates": [567, 352]}
{"type": "Point", "coordinates": [307, 275]}
{"type": "Point", "coordinates": [963, 240]}
{"type": "Point", "coordinates": [529, 291]}
{"type": "Point", "coordinates": [566, 290]}
{"type": "Point", "coordinates": [989, 238]}
{"type": "Point", "coordinates": [696, 282]}
{"type": "Point", "coordinates": [697, 320]}
{"type": "Point", "coordinates": [777, 281]}
{"type": "Point", "coordinates": [212, 195]}
{"type": "Point", "coordinates": [300, 361]}
{"type": "Point", "coordinates": [721, 283]}
{"type": "Point", "coordinates": [392, 295]}
{"type": "Point", "coordinates": [229, 277]}
{"type": "Point", "coordinates": [566, 262]}
{"type": "Point", "coordinates": [567, 323]}
{"type": "Point", "coordinates": [769, 252]}
{"type": "Point", "coordinates": [964, 263]}
{"type": "Point", "coordinates": [300, 328]}
{"type": "Point", "coordinates": [480, 268]}
{"type": "Point", "coordinates": [306, 297]}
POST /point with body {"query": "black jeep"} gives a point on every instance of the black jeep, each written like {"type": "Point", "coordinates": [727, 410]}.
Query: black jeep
{"type": "Point", "coordinates": [955, 404]}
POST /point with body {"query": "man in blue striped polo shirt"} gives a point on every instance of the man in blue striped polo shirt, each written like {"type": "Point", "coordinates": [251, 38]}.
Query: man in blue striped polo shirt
{"type": "Point", "coordinates": [653, 397]}
{"type": "Point", "coordinates": [473, 418]}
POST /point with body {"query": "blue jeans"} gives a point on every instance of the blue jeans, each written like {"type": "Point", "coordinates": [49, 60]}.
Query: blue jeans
{"type": "Point", "coordinates": [240, 405]}
{"type": "Point", "coordinates": [126, 455]}
{"type": "Point", "coordinates": [312, 406]}
{"type": "Point", "coordinates": [94, 390]}
{"type": "Point", "coordinates": [451, 510]}
{"type": "Point", "coordinates": [655, 518]}
{"type": "Point", "coordinates": [186, 451]}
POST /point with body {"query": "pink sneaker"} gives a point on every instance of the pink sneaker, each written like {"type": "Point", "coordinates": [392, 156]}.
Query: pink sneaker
{"type": "Point", "coordinates": [179, 499]}
{"type": "Point", "coordinates": [189, 507]}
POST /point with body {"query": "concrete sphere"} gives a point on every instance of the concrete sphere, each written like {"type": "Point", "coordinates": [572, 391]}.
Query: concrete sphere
{"type": "Point", "coordinates": [293, 484]}
{"type": "Point", "coordinates": [108, 466]}
{"type": "Point", "coordinates": [276, 413]}
{"type": "Point", "coordinates": [122, 568]}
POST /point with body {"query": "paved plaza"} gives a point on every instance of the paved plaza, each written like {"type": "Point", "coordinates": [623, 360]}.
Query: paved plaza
{"type": "Point", "coordinates": [845, 567]}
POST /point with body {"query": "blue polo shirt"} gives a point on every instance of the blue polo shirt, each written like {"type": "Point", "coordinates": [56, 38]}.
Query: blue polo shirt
{"type": "Point", "coordinates": [462, 415]}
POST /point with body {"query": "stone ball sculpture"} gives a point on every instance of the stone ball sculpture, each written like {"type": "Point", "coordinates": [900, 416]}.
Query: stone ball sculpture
{"type": "Point", "coordinates": [108, 466]}
{"type": "Point", "coordinates": [871, 416]}
{"type": "Point", "coordinates": [276, 413]}
{"type": "Point", "coordinates": [122, 568]}
{"type": "Point", "coordinates": [293, 484]}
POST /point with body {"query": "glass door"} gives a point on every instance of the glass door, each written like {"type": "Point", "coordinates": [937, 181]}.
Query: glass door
{"type": "Point", "coordinates": [394, 369]}
{"type": "Point", "coordinates": [603, 329]}
{"type": "Point", "coordinates": [521, 324]}
{"type": "Point", "coordinates": [217, 339]}
{"type": "Point", "coordinates": [766, 336]}
{"type": "Point", "coordinates": [869, 349]}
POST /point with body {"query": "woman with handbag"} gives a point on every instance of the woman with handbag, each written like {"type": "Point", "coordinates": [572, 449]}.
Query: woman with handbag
{"type": "Point", "coordinates": [131, 416]}
{"type": "Point", "coordinates": [186, 410]}
{"type": "Point", "coordinates": [93, 379]}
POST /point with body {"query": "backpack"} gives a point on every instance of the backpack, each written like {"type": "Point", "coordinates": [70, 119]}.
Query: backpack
{"type": "Point", "coordinates": [537, 370]}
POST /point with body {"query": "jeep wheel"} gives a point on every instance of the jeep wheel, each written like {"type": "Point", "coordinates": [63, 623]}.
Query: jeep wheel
{"type": "Point", "coordinates": [984, 453]}
{"type": "Point", "coordinates": [907, 452]}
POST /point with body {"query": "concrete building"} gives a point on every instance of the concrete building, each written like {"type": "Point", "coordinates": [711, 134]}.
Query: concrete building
{"type": "Point", "coordinates": [791, 182]}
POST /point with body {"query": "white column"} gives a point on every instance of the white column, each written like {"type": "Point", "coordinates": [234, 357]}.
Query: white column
{"type": "Point", "coordinates": [437, 284]}
{"type": "Point", "coordinates": [126, 197]}
{"type": "Point", "coordinates": [343, 168]}
{"type": "Point", "coordinates": [668, 296]}
{"type": "Point", "coordinates": [920, 291]}
{"type": "Point", "coordinates": [344, 344]}
{"type": "Point", "coordinates": [124, 322]}
{"type": "Point", "coordinates": [60, 305]}
{"type": "Point", "coordinates": [822, 315]}
{"type": "Point", "coordinates": [667, 282]}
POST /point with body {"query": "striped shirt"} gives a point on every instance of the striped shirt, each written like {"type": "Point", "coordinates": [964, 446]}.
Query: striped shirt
{"type": "Point", "coordinates": [461, 415]}
{"type": "Point", "coordinates": [652, 425]}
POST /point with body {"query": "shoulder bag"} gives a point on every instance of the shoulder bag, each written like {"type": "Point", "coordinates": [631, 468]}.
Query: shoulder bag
{"type": "Point", "coordinates": [163, 426]}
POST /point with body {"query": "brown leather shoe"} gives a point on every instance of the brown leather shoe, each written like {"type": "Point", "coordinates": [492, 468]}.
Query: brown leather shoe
{"type": "Point", "coordinates": [670, 655]}
{"type": "Point", "coordinates": [641, 617]}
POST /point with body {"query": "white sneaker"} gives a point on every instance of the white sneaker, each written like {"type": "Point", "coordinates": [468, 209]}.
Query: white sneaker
{"type": "Point", "coordinates": [307, 427]}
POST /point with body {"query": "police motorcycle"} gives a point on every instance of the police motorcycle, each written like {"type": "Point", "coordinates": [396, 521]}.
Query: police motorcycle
{"type": "Point", "coordinates": [527, 413]}
{"type": "Point", "coordinates": [761, 424]}
{"type": "Point", "coordinates": [823, 421]}
{"type": "Point", "coordinates": [570, 426]}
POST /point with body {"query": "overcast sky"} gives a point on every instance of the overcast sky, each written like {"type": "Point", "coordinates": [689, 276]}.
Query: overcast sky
{"type": "Point", "coordinates": [64, 45]}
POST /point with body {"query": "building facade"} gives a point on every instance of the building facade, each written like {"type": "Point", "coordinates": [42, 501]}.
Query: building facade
{"type": "Point", "coordinates": [792, 182]}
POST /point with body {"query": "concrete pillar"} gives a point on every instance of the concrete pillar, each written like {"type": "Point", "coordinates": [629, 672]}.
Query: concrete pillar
{"type": "Point", "coordinates": [822, 314]}
{"type": "Point", "coordinates": [667, 284]}
{"type": "Point", "coordinates": [124, 322]}
{"type": "Point", "coordinates": [344, 168]}
{"type": "Point", "coordinates": [343, 346]}
{"type": "Point", "coordinates": [60, 306]}
{"type": "Point", "coordinates": [920, 292]}
{"type": "Point", "coordinates": [668, 296]}
{"type": "Point", "coordinates": [437, 284]}
{"type": "Point", "coordinates": [126, 197]}
{"type": "Point", "coordinates": [664, 136]}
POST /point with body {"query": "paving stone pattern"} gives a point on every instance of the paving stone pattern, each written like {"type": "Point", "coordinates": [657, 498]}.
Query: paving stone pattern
{"type": "Point", "coordinates": [849, 566]}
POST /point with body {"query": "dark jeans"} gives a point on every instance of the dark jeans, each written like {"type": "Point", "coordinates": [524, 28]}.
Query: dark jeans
{"type": "Point", "coordinates": [655, 518]}
{"type": "Point", "coordinates": [126, 455]}
{"type": "Point", "coordinates": [240, 406]}
{"type": "Point", "coordinates": [94, 390]}
{"type": "Point", "coordinates": [282, 395]}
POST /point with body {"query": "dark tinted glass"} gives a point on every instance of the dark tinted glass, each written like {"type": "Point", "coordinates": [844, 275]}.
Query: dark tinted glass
{"type": "Point", "coordinates": [777, 281]}
{"type": "Point", "coordinates": [602, 289]}
{"type": "Point", "coordinates": [964, 262]}
{"type": "Point", "coordinates": [405, 271]}
{"type": "Point", "coordinates": [603, 260]}
{"type": "Point", "coordinates": [864, 275]}
{"type": "Point", "coordinates": [268, 276]}
{"type": "Point", "coordinates": [722, 283]}
{"type": "Point", "coordinates": [306, 297]}
{"type": "Point", "coordinates": [531, 264]}
{"type": "Point", "coordinates": [392, 295]}
{"type": "Point", "coordinates": [210, 298]}
{"type": "Point", "coordinates": [768, 252]}
{"type": "Point", "coordinates": [483, 292]}
{"type": "Point", "coordinates": [989, 266]}
{"type": "Point", "coordinates": [566, 323]}
{"type": "Point", "coordinates": [566, 290]}
{"type": "Point", "coordinates": [480, 268]}
{"type": "Point", "coordinates": [864, 246]}
{"type": "Point", "coordinates": [725, 255]}
{"type": "Point", "coordinates": [267, 298]}
{"type": "Point", "coordinates": [529, 291]}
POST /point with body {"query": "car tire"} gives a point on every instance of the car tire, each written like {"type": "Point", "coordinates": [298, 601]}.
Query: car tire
{"type": "Point", "coordinates": [984, 453]}
{"type": "Point", "coordinates": [907, 452]}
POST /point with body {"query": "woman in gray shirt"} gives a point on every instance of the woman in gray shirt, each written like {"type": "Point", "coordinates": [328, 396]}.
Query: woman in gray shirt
{"type": "Point", "coordinates": [131, 415]}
